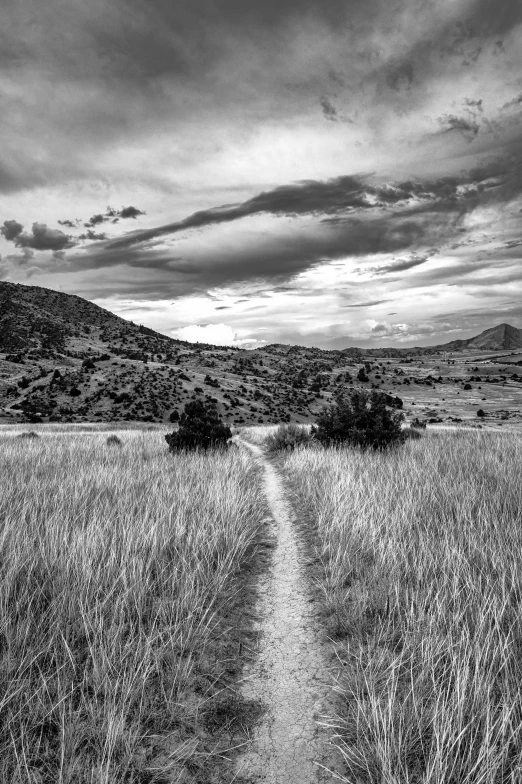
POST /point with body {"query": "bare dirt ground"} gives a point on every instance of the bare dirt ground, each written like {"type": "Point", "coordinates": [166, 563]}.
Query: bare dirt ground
{"type": "Point", "coordinates": [292, 675]}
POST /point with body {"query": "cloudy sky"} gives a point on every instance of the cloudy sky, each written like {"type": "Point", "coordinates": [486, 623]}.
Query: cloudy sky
{"type": "Point", "coordinates": [320, 172]}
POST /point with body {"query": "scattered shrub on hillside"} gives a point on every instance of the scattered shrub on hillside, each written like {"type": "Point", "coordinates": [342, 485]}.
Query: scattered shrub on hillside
{"type": "Point", "coordinates": [200, 427]}
{"type": "Point", "coordinates": [74, 392]}
{"type": "Point", "coordinates": [361, 375]}
{"type": "Point", "coordinates": [114, 441]}
{"type": "Point", "coordinates": [174, 417]}
{"type": "Point", "coordinates": [481, 413]}
{"type": "Point", "coordinates": [360, 419]}
{"type": "Point", "coordinates": [287, 437]}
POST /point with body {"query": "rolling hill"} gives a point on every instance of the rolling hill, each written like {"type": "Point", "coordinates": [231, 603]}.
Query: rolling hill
{"type": "Point", "coordinates": [65, 359]}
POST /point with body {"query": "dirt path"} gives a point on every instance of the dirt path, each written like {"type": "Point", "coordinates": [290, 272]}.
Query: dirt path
{"type": "Point", "coordinates": [290, 675]}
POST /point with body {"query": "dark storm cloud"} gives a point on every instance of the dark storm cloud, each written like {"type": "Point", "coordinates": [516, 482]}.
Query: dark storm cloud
{"type": "Point", "coordinates": [128, 60]}
{"type": "Point", "coordinates": [272, 259]}
{"type": "Point", "coordinates": [111, 215]}
{"type": "Point", "coordinates": [310, 197]}
{"type": "Point", "coordinates": [129, 212]}
{"type": "Point", "coordinates": [40, 238]}
{"type": "Point", "coordinates": [92, 235]}
{"type": "Point", "coordinates": [361, 219]}
{"type": "Point", "coordinates": [11, 229]}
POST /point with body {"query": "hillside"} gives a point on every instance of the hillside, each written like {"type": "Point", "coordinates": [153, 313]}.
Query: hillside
{"type": "Point", "coordinates": [504, 337]}
{"type": "Point", "coordinates": [64, 359]}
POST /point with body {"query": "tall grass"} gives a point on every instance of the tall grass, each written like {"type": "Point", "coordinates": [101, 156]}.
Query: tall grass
{"type": "Point", "coordinates": [418, 556]}
{"type": "Point", "coordinates": [119, 608]}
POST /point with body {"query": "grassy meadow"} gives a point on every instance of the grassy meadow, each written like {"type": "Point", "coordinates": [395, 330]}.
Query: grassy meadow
{"type": "Point", "coordinates": [416, 557]}
{"type": "Point", "coordinates": [123, 577]}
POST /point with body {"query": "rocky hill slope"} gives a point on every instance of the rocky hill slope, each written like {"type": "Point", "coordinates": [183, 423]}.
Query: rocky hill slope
{"type": "Point", "coordinates": [64, 359]}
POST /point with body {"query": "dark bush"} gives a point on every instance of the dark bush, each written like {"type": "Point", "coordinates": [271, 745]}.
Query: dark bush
{"type": "Point", "coordinates": [481, 413]}
{"type": "Point", "coordinates": [393, 402]}
{"type": "Point", "coordinates": [361, 375]}
{"type": "Point", "coordinates": [74, 392]}
{"type": "Point", "coordinates": [174, 417]}
{"type": "Point", "coordinates": [360, 419]}
{"type": "Point", "coordinates": [287, 437]}
{"type": "Point", "coordinates": [29, 434]}
{"type": "Point", "coordinates": [114, 441]}
{"type": "Point", "coordinates": [467, 386]}
{"type": "Point", "coordinates": [200, 427]}
{"type": "Point", "coordinates": [88, 364]}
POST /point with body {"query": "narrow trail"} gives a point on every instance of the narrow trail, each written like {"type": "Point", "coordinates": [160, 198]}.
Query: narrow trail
{"type": "Point", "coordinates": [290, 675]}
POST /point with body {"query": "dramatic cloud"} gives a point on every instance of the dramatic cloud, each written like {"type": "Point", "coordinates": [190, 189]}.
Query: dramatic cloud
{"type": "Point", "coordinates": [129, 212]}
{"type": "Point", "coordinates": [309, 157]}
{"type": "Point", "coordinates": [91, 235]}
{"type": "Point", "coordinates": [11, 230]}
{"type": "Point", "coordinates": [111, 215]}
{"type": "Point", "coordinates": [40, 238]}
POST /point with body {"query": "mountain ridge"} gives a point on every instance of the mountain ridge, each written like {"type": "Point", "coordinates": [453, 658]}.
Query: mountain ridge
{"type": "Point", "coordinates": [50, 312]}
{"type": "Point", "coordinates": [65, 359]}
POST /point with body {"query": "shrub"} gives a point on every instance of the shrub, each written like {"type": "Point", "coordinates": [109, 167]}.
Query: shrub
{"type": "Point", "coordinates": [360, 419]}
{"type": "Point", "coordinates": [174, 417]}
{"type": "Point", "coordinates": [114, 441]}
{"type": "Point", "coordinates": [361, 375]}
{"type": "Point", "coordinates": [29, 434]}
{"type": "Point", "coordinates": [287, 437]}
{"type": "Point", "coordinates": [200, 427]}
{"type": "Point", "coordinates": [481, 413]}
{"type": "Point", "coordinates": [393, 401]}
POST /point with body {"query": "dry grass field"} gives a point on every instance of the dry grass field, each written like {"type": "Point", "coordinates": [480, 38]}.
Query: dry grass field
{"type": "Point", "coordinates": [417, 558]}
{"type": "Point", "coordinates": [120, 574]}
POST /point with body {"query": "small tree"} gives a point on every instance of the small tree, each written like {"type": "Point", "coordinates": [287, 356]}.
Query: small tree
{"type": "Point", "coordinates": [360, 419]}
{"type": "Point", "coordinates": [481, 413]}
{"type": "Point", "coordinates": [200, 427]}
{"type": "Point", "coordinates": [361, 375]}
